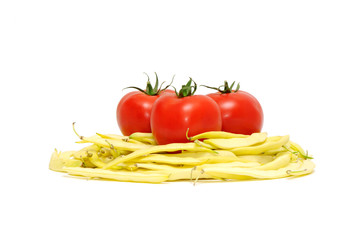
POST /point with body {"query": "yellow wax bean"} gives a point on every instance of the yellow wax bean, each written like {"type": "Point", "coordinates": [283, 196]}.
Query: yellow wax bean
{"type": "Point", "coordinates": [282, 160]}
{"type": "Point", "coordinates": [140, 135]}
{"type": "Point", "coordinates": [73, 163]}
{"type": "Point", "coordinates": [135, 141]}
{"type": "Point", "coordinates": [274, 151]}
{"type": "Point", "coordinates": [187, 174]}
{"type": "Point", "coordinates": [118, 144]}
{"type": "Point", "coordinates": [153, 166]}
{"type": "Point", "coordinates": [150, 141]}
{"type": "Point", "coordinates": [60, 159]}
{"type": "Point", "coordinates": [143, 137]}
{"type": "Point", "coordinates": [119, 137]}
{"type": "Point", "coordinates": [161, 158]}
{"type": "Point", "coordinates": [94, 159]}
{"type": "Point", "coordinates": [229, 143]}
{"type": "Point", "coordinates": [203, 144]}
{"type": "Point", "coordinates": [217, 134]}
{"type": "Point", "coordinates": [262, 159]}
{"type": "Point", "coordinates": [113, 136]}
{"type": "Point", "coordinates": [296, 147]}
{"type": "Point", "coordinates": [104, 152]}
{"type": "Point", "coordinates": [219, 153]}
{"type": "Point", "coordinates": [106, 159]}
{"type": "Point", "coordinates": [269, 144]}
{"type": "Point", "coordinates": [239, 173]}
{"type": "Point", "coordinates": [55, 163]}
{"type": "Point", "coordinates": [224, 156]}
{"type": "Point", "coordinates": [307, 167]}
{"type": "Point", "coordinates": [82, 153]}
{"type": "Point", "coordinates": [186, 154]}
{"type": "Point", "coordinates": [219, 159]}
{"type": "Point", "coordinates": [91, 138]}
{"type": "Point", "coordinates": [175, 173]}
{"type": "Point", "coordinates": [173, 147]}
{"type": "Point", "coordinates": [190, 158]}
{"type": "Point", "coordinates": [118, 175]}
{"type": "Point", "coordinates": [283, 148]}
{"type": "Point", "coordinates": [232, 164]}
{"type": "Point", "coordinates": [225, 153]}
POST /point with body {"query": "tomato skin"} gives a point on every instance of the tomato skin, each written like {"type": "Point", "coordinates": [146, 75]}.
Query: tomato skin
{"type": "Point", "coordinates": [133, 112]}
{"type": "Point", "coordinates": [172, 116]}
{"type": "Point", "coordinates": [241, 112]}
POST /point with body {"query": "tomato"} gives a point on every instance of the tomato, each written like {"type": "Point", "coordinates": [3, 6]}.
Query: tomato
{"type": "Point", "coordinates": [172, 115]}
{"type": "Point", "coordinates": [241, 112]}
{"type": "Point", "coordinates": [134, 109]}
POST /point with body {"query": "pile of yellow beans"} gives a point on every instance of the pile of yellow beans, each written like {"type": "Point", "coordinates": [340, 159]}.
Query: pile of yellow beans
{"type": "Point", "coordinates": [208, 156]}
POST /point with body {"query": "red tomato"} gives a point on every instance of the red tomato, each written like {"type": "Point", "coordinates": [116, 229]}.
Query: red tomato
{"type": "Point", "coordinates": [134, 109]}
{"type": "Point", "coordinates": [172, 116]}
{"type": "Point", "coordinates": [241, 112]}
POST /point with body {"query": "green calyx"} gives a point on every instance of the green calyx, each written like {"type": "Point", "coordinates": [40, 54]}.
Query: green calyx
{"type": "Point", "coordinates": [224, 88]}
{"type": "Point", "coordinates": [149, 89]}
{"type": "Point", "coordinates": [187, 90]}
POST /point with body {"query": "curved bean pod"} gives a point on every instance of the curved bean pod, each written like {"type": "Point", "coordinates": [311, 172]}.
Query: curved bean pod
{"type": "Point", "coordinates": [230, 143]}
{"type": "Point", "coordinates": [269, 144]}
{"type": "Point", "coordinates": [217, 134]}
{"type": "Point", "coordinates": [118, 175]}
{"type": "Point", "coordinates": [172, 147]}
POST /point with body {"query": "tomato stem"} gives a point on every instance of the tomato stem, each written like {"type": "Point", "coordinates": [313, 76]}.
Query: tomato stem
{"type": "Point", "coordinates": [149, 89]}
{"type": "Point", "coordinates": [225, 88]}
{"type": "Point", "coordinates": [187, 89]}
{"type": "Point", "coordinates": [170, 84]}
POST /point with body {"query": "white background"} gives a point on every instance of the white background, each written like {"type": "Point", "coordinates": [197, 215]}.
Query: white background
{"type": "Point", "coordinates": [66, 61]}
